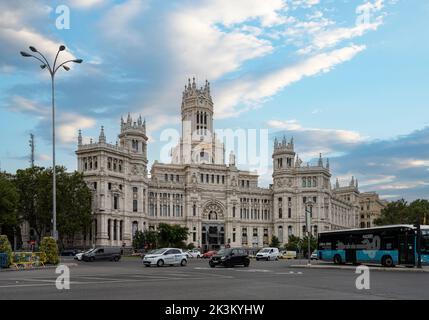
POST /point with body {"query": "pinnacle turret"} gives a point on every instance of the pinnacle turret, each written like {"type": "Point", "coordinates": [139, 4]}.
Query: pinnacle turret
{"type": "Point", "coordinates": [102, 137]}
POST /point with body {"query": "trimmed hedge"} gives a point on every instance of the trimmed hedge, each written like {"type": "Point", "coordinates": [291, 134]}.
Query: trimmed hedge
{"type": "Point", "coordinates": [49, 249]}
{"type": "Point", "coordinates": [5, 247]}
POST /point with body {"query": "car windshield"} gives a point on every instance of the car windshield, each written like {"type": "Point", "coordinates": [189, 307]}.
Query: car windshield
{"type": "Point", "coordinates": [159, 251]}
{"type": "Point", "coordinates": [224, 252]}
{"type": "Point", "coordinates": [265, 250]}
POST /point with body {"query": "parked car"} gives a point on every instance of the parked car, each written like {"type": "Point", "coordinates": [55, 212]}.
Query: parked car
{"type": "Point", "coordinates": [165, 256]}
{"type": "Point", "coordinates": [103, 253]}
{"type": "Point", "coordinates": [69, 252]}
{"type": "Point", "coordinates": [268, 254]}
{"type": "Point", "coordinates": [209, 254]}
{"type": "Point", "coordinates": [230, 257]}
{"type": "Point", "coordinates": [314, 255]}
{"type": "Point", "coordinates": [79, 256]}
{"type": "Point", "coordinates": [194, 253]}
{"type": "Point", "coordinates": [287, 255]}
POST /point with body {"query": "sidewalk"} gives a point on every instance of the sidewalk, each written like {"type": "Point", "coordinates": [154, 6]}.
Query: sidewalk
{"type": "Point", "coordinates": [350, 267]}
{"type": "Point", "coordinates": [11, 269]}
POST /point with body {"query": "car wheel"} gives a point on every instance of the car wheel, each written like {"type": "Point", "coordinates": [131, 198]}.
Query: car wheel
{"type": "Point", "coordinates": [160, 263]}
{"type": "Point", "coordinates": [116, 259]}
{"type": "Point", "coordinates": [92, 259]}
{"type": "Point", "coordinates": [212, 265]}
{"type": "Point", "coordinates": [337, 259]}
{"type": "Point", "coordinates": [147, 265]}
{"type": "Point", "coordinates": [257, 259]}
{"type": "Point", "coordinates": [387, 261]}
{"type": "Point", "coordinates": [183, 262]}
{"type": "Point", "coordinates": [246, 264]}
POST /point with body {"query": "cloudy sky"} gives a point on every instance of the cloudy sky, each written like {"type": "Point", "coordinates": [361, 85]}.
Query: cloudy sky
{"type": "Point", "coordinates": [347, 78]}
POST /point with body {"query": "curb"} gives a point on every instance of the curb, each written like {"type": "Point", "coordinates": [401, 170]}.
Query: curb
{"type": "Point", "coordinates": [332, 267]}
{"type": "Point", "coordinates": [39, 268]}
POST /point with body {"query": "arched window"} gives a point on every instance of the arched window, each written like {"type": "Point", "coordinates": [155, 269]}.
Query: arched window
{"type": "Point", "coordinates": [135, 228]}
{"type": "Point", "coordinates": [280, 233]}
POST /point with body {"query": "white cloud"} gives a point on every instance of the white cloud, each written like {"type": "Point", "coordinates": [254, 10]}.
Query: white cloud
{"type": "Point", "coordinates": [312, 141]}
{"type": "Point", "coordinates": [86, 4]}
{"type": "Point", "coordinates": [117, 24]}
{"type": "Point", "coordinates": [67, 123]}
{"type": "Point", "coordinates": [252, 91]}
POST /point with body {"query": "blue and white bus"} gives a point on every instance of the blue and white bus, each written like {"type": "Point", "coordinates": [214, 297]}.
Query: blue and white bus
{"type": "Point", "coordinates": [386, 245]}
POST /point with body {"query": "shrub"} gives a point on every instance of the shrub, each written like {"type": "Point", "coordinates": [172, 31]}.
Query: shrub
{"type": "Point", "coordinates": [49, 247]}
{"type": "Point", "coordinates": [5, 247]}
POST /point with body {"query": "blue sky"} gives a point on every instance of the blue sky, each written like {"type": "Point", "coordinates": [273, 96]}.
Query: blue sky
{"type": "Point", "coordinates": [345, 78]}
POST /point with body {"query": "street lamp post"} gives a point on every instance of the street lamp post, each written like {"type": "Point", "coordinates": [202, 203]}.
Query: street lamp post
{"type": "Point", "coordinates": [308, 210]}
{"type": "Point", "coordinates": [52, 71]}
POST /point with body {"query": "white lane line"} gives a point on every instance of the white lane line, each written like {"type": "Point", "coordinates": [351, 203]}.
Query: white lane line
{"type": "Point", "coordinates": [253, 270]}
{"type": "Point", "coordinates": [96, 282]}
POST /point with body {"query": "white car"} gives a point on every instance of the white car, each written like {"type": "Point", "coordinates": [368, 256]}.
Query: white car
{"type": "Point", "coordinates": [268, 254]}
{"type": "Point", "coordinates": [194, 254]}
{"type": "Point", "coordinates": [79, 255]}
{"type": "Point", "coordinates": [165, 256]}
{"type": "Point", "coordinates": [314, 256]}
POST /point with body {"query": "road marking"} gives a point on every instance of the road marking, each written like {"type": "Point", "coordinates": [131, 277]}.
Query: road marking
{"type": "Point", "coordinates": [253, 270]}
{"type": "Point", "coordinates": [288, 273]}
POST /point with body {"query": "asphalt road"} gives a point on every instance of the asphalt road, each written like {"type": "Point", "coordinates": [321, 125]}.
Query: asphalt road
{"type": "Point", "coordinates": [273, 280]}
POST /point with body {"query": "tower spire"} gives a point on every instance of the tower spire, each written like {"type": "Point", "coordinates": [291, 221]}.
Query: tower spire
{"type": "Point", "coordinates": [320, 160]}
{"type": "Point", "coordinates": [102, 137]}
{"type": "Point", "coordinates": [79, 138]}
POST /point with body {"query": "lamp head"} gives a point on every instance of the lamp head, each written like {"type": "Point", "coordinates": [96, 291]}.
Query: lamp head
{"type": "Point", "coordinates": [33, 49]}
{"type": "Point", "coordinates": [62, 48]}
{"type": "Point", "coordinates": [25, 54]}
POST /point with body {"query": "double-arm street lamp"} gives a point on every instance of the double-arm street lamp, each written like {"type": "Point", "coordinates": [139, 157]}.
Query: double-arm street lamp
{"type": "Point", "coordinates": [52, 71]}
{"type": "Point", "coordinates": [308, 212]}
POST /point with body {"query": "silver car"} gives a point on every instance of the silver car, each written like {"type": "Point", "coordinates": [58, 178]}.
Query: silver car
{"type": "Point", "coordinates": [165, 256]}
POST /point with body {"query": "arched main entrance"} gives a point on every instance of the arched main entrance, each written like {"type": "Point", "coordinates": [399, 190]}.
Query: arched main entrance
{"type": "Point", "coordinates": [213, 227]}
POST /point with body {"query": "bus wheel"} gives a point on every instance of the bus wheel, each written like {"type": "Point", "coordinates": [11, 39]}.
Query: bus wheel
{"type": "Point", "coordinates": [387, 261]}
{"type": "Point", "coordinates": [337, 259]}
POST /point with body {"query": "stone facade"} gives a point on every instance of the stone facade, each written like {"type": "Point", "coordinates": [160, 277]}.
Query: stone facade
{"type": "Point", "coordinates": [370, 209]}
{"type": "Point", "coordinates": [217, 202]}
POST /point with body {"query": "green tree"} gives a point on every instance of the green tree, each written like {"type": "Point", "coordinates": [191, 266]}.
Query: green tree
{"type": "Point", "coordinates": [275, 243]}
{"type": "Point", "coordinates": [73, 201]}
{"type": "Point", "coordinates": [5, 247]}
{"type": "Point", "coordinates": [8, 203]}
{"type": "Point", "coordinates": [294, 243]}
{"type": "Point", "coordinates": [172, 235]}
{"type": "Point", "coordinates": [145, 239]}
{"type": "Point", "coordinates": [74, 215]}
{"type": "Point", "coordinates": [35, 201]}
{"type": "Point", "coordinates": [304, 245]}
{"type": "Point", "coordinates": [394, 213]}
{"type": "Point", "coordinates": [49, 248]}
{"type": "Point", "coordinates": [402, 212]}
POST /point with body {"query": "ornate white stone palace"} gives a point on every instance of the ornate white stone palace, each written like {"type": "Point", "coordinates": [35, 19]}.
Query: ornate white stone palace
{"type": "Point", "coordinates": [219, 203]}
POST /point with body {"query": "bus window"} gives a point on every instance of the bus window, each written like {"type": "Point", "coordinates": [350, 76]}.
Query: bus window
{"type": "Point", "coordinates": [425, 242]}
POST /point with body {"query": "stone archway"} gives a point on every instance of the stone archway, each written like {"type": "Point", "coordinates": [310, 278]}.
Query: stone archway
{"type": "Point", "coordinates": [213, 210]}
{"type": "Point", "coordinates": [213, 227]}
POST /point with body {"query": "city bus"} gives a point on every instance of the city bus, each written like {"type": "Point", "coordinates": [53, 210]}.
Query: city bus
{"type": "Point", "coordinates": [387, 245]}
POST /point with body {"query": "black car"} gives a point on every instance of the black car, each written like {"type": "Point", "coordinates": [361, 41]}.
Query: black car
{"type": "Point", "coordinates": [230, 257]}
{"type": "Point", "coordinates": [69, 252]}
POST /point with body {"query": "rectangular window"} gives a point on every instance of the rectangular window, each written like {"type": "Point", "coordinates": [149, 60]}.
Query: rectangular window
{"type": "Point", "coordinates": [115, 203]}
{"type": "Point", "coordinates": [289, 214]}
{"type": "Point", "coordinates": [134, 205]}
